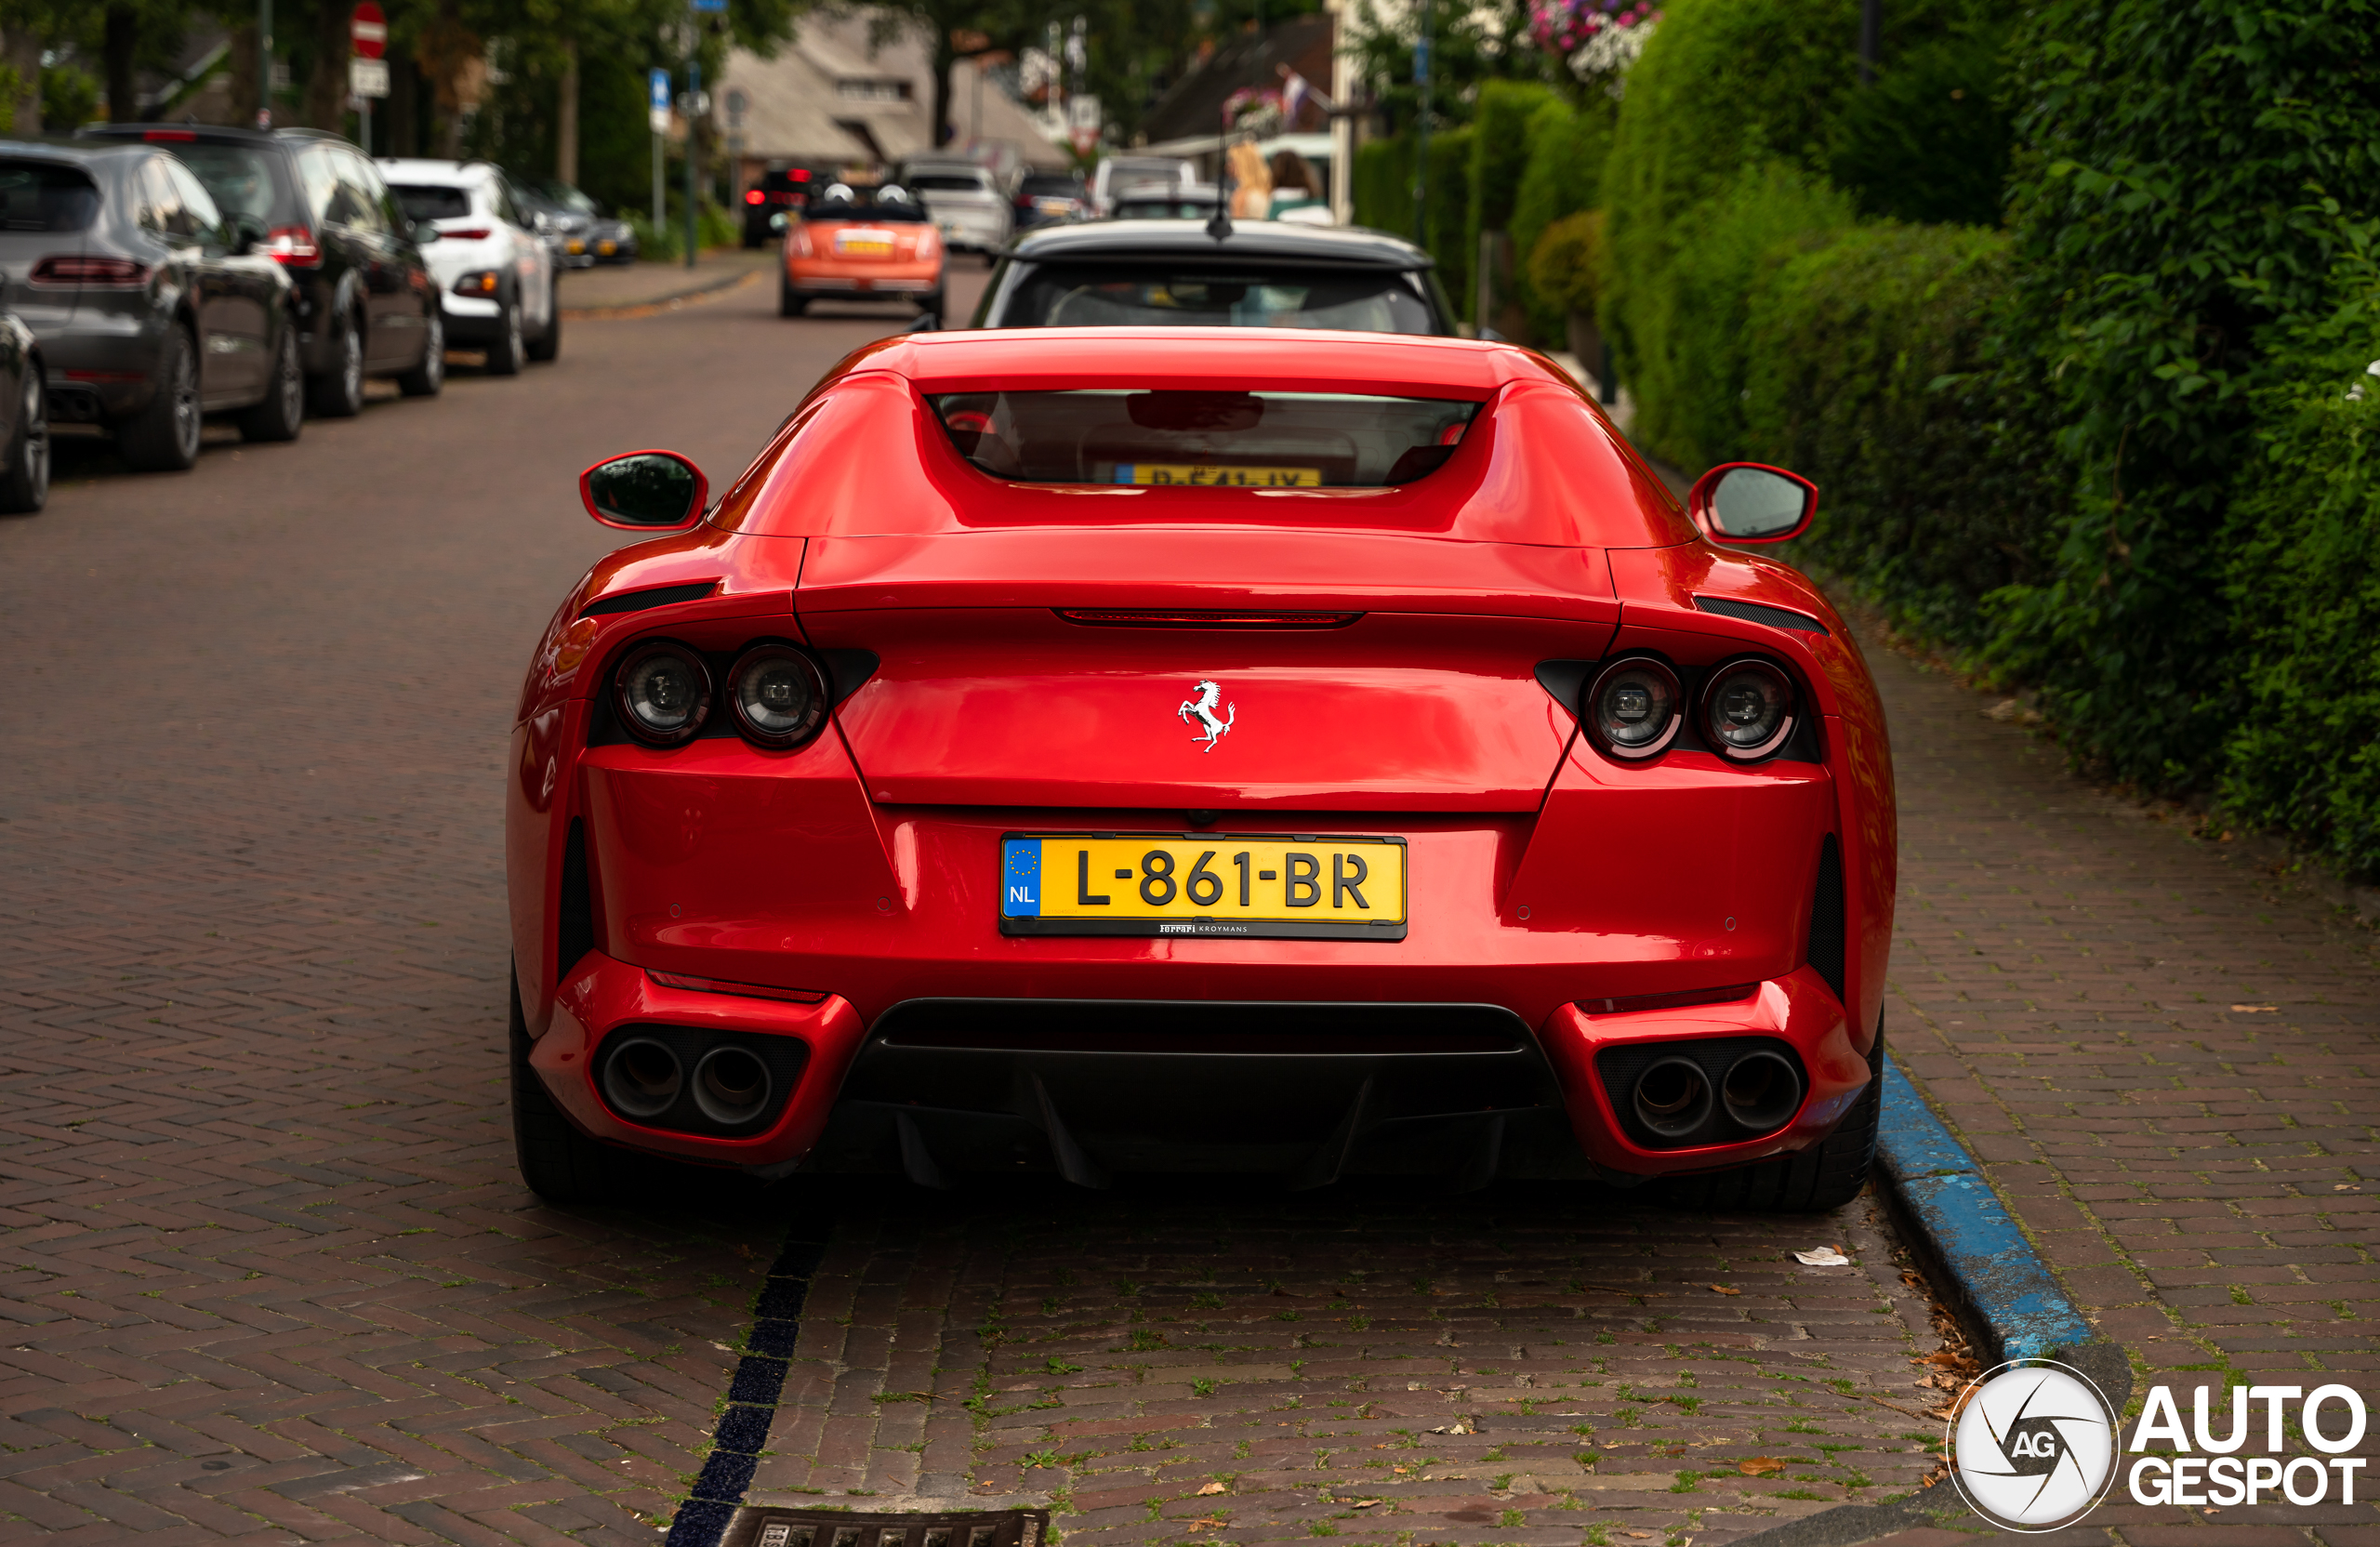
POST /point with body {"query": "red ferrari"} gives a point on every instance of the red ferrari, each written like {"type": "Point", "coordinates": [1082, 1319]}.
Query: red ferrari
{"type": "Point", "coordinates": [1122, 750]}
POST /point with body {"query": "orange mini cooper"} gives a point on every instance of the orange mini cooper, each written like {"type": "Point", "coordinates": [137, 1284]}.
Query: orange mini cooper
{"type": "Point", "coordinates": [863, 245]}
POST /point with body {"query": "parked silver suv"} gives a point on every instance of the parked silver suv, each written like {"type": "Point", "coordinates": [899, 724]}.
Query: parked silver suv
{"type": "Point", "coordinates": [149, 307]}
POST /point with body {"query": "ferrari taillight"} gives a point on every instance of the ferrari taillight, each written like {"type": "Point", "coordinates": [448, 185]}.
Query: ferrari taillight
{"type": "Point", "coordinates": [662, 692]}
{"type": "Point", "coordinates": [1747, 708]}
{"type": "Point", "coordinates": [1635, 708]}
{"type": "Point", "coordinates": [778, 693]}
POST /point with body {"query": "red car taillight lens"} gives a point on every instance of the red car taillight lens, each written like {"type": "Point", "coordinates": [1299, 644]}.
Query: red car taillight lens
{"type": "Point", "coordinates": [1634, 710]}
{"type": "Point", "coordinates": [78, 269]}
{"type": "Point", "coordinates": [293, 245]}
{"type": "Point", "coordinates": [754, 197]}
{"type": "Point", "coordinates": [779, 694]}
{"type": "Point", "coordinates": [661, 691]}
{"type": "Point", "coordinates": [469, 233]}
{"type": "Point", "coordinates": [1747, 708]}
{"type": "Point", "coordinates": [484, 283]}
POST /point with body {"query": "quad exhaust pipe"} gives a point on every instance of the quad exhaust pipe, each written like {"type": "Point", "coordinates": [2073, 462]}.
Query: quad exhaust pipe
{"type": "Point", "coordinates": [681, 1078]}
{"type": "Point", "coordinates": [1759, 1092]}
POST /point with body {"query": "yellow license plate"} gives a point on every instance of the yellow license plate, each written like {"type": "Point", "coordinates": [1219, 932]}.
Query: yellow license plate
{"type": "Point", "coordinates": [577, 247]}
{"type": "Point", "coordinates": [607, 248]}
{"type": "Point", "coordinates": [1203, 884]}
{"type": "Point", "coordinates": [1179, 473]}
{"type": "Point", "coordinates": [862, 246]}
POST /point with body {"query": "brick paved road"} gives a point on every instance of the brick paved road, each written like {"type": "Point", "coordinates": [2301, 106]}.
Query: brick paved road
{"type": "Point", "coordinates": [271, 1276]}
{"type": "Point", "coordinates": [270, 1272]}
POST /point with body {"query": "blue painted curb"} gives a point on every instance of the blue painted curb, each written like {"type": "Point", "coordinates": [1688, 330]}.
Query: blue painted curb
{"type": "Point", "coordinates": [1990, 1264]}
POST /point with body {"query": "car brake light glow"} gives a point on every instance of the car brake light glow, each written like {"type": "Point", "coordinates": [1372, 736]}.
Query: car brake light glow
{"type": "Point", "coordinates": [293, 245]}
{"type": "Point", "coordinates": [800, 174]}
{"type": "Point", "coordinates": [484, 283]}
{"type": "Point", "coordinates": [168, 134]}
{"type": "Point", "coordinates": [472, 234]}
{"type": "Point", "coordinates": [78, 269]}
{"type": "Point", "coordinates": [754, 196]}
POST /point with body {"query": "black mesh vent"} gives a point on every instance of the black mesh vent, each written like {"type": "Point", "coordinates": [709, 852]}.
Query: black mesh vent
{"type": "Point", "coordinates": [574, 919]}
{"type": "Point", "coordinates": [1826, 919]}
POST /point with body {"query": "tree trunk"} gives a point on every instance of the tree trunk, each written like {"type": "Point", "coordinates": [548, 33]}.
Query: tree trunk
{"type": "Point", "coordinates": [246, 99]}
{"type": "Point", "coordinates": [326, 90]}
{"type": "Point", "coordinates": [23, 56]}
{"type": "Point", "coordinates": [122, 37]}
{"type": "Point", "coordinates": [566, 122]}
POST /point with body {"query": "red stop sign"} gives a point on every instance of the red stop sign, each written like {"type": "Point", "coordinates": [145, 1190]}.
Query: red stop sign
{"type": "Point", "coordinates": [370, 31]}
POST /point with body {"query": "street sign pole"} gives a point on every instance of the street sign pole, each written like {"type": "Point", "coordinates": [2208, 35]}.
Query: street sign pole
{"type": "Point", "coordinates": [656, 99]}
{"type": "Point", "coordinates": [264, 64]}
{"type": "Point", "coordinates": [367, 69]}
{"type": "Point", "coordinates": [1422, 133]}
{"type": "Point", "coordinates": [694, 107]}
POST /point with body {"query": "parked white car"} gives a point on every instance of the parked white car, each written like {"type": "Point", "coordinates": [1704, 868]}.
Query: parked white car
{"type": "Point", "coordinates": [965, 203]}
{"type": "Point", "coordinates": [1117, 173]}
{"type": "Point", "coordinates": [496, 274]}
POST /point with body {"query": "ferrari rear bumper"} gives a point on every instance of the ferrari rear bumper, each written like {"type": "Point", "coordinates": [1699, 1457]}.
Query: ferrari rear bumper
{"type": "Point", "coordinates": [1309, 1091]}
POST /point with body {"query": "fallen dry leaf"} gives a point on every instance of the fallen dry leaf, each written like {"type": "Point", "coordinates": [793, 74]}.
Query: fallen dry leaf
{"type": "Point", "coordinates": [1366, 1504]}
{"type": "Point", "coordinates": [1211, 1488]}
{"type": "Point", "coordinates": [1206, 1523]}
{"type": "Point", "coordinates": [1760, 1466]}
{"type": "Point", "coordinates": [2255, 1009]}
{"type": "Point", "coordinates": [1721, 1289]}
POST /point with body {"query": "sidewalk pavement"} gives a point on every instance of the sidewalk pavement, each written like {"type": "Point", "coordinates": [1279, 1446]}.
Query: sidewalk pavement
{"type": "Point", "coordinates": [607, 290]}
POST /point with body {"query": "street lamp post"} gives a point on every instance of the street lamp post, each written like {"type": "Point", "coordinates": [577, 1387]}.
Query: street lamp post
{"type": "Point", "coordinates": [1422, 133]}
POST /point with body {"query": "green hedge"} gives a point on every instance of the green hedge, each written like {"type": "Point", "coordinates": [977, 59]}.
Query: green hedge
{"type": "Point", "coordinates": [1384, 185]}
{"type": "Point", "coordinates": [1449, 214]}
{"type": "Point", "coordinates": [2303, 584]}
{"type": "Point", "coordinates": [1563, 177]}
{"type": "Point", "coordinates": [1860, 361]}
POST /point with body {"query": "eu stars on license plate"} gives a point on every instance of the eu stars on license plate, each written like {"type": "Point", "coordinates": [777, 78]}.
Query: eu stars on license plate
{"type": "Point", "coordinates": [1203, 884]}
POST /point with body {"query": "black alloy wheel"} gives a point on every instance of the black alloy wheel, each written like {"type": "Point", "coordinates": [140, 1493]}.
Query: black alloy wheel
{"type": "Point", "coordinates": [164, 436]}
{"type": "Point", "coordinates": [283, 412]}
{"type": "Point", "coordinates": [338, 393]}
{"type": "Point", "coordinates": [504, 356]}
{"type": "Point", "coordinates": [24, 483]}
{"type": "Point", "coordinates": [427, 378]}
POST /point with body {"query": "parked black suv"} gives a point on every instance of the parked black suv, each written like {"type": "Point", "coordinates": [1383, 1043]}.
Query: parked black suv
{"type": "Point", "coordinates": [366, 304]}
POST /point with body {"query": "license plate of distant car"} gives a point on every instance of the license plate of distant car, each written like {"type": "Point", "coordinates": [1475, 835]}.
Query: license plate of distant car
{"type": "Point", "coordinates": [1203, 884]}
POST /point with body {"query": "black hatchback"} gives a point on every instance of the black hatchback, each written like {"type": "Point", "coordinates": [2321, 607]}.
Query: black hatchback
{"type": "Point", "coordinates": [366, 304]}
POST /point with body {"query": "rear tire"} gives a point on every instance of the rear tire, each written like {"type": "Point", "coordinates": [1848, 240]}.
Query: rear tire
{"type": "Point", "coordinates": [282, 413]}
{"type": "Point", "coordinates": [164, 436]}
{"type": "Point", "coordinates": [559, 1163]}
{"type": "Point", "coordinates": [505, 354]}
{"type": "Point", "coordinates": [426, 380]}
{"type": "Point", "coordinates": [24, 485]}
{"type": "Point", "coordinates": [548, 343]}
{"type": "Point", "coordinates": [788, 303]}
{"type": "Point", "coordinates": [1824, 1176]}
{"type": "Point", "coordinates": [338, 393]}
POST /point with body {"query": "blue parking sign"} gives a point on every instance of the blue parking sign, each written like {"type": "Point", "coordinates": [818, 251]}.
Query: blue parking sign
{"type": "Point", "coordinates": [657, 89]}
{"type": "Point", "coordinates": [709, 4]}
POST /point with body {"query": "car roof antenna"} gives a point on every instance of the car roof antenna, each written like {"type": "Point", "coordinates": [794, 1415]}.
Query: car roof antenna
{"type": "Point", "coordinates": [1219, 223]}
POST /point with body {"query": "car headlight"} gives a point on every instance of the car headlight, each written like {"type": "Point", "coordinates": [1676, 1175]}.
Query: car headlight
{"type": "Point", "coordinates": [1633, 710]}
{"type": "Point", "coordinates": [1747, 708]}
{"type": "Point", "coordinates": [663, 694]}
{"type": "Point", "coordinates": [779, 696]}
{"type": "Point", "coordinates": [483, 283]}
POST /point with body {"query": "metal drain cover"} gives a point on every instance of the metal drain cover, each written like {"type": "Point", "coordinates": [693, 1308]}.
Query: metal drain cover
{"type": "Point", "coordinates": [776, 1527]}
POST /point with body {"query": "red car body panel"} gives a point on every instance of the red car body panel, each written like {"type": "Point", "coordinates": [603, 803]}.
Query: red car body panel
{"type": "Point", "coordinates": [865, 866]}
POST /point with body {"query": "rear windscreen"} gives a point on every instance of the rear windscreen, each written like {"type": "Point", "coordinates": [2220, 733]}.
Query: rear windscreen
{"type": "Point", "coordinates": [837, 209]}
{"type": "Point", "coordinates": [1204, 440]}
{"type": "Point", "coordinates": [36, 195]}
{"type": "Point", "coordinates": [944, 182]}
{"type": "Point", "coordinates": [244, 181]}
{"type": "Point", "coordinates": [1098, 295]}
{"type": "Point", "coordinates": [432, 201]}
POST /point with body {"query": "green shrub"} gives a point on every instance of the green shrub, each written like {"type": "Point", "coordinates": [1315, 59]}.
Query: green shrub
{"type": "Point", "coordinates": [2170, 227]}
{"type": "Point", "coordinates": [1384, 185]}
{"type": "Point", "coordinates": [1500, 126]}
{"type": "Point", "coordinates": [1847, 348]}
{"type": "Point", "coordinates": [2304, 585]}
{"type": "Point", "coordinates": [1566, 148]}
{"type": "Point", "coordinates": [1448, 195]}
{"type": "Point", "coordinates": [1930, 139]}
{"type": "Point", "coordinates": [1564, 266]}
{"type": "Point", "coordinates": [1689, 322]}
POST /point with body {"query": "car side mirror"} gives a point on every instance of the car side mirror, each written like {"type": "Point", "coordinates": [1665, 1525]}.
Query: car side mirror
{"type": "Point", "coordinates": [423, 233]}
{"type": "Point", "coordinates": [645, 491]}
{"type": "Point", "coordinates": [778, 222]}
{"type": "Point", "coordinates": [1750, 502]}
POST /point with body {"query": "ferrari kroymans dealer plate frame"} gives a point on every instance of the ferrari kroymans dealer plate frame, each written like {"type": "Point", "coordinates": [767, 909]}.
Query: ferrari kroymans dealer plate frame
{"type": "Point", "coordinates": [1253, 886]}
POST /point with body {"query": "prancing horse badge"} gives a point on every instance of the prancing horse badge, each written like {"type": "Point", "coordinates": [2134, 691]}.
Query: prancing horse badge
{"type": "Point", "coordinates": [1201, 711]}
